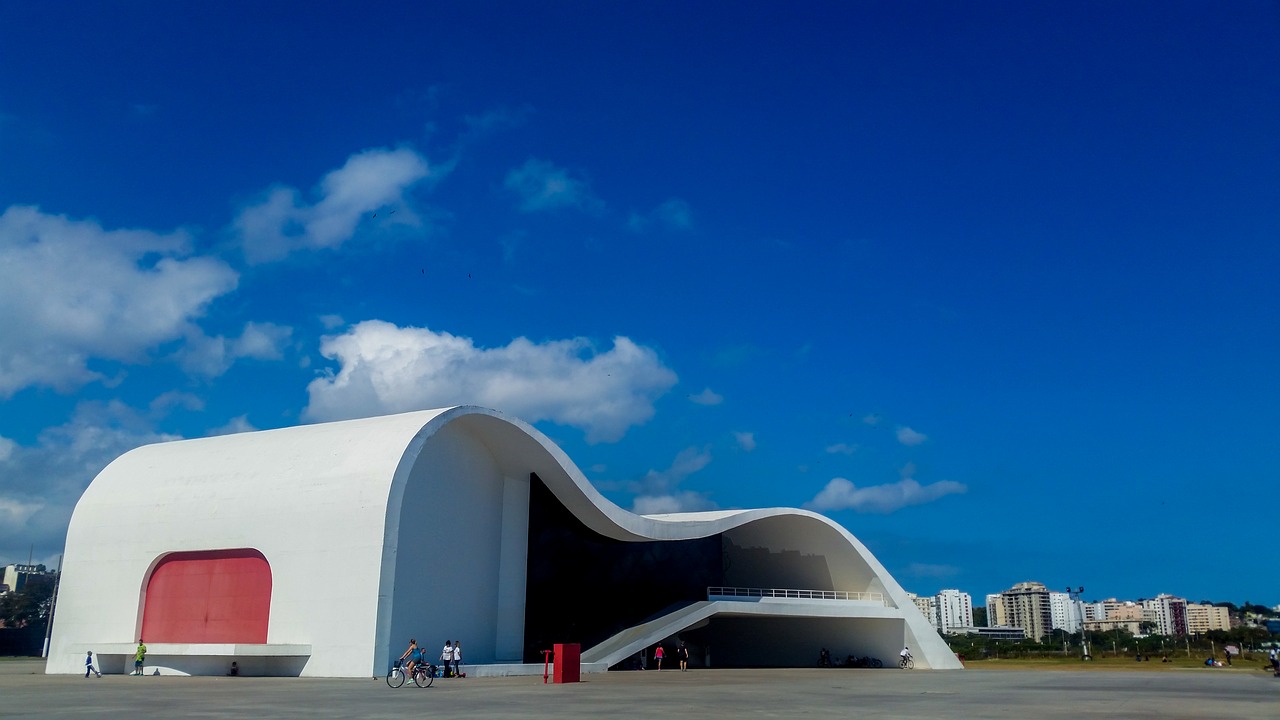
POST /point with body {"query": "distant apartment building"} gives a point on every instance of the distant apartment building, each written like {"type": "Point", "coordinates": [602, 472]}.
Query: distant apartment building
{"type": "Point", "coordinates": [14, 577]}
{"type": "Point", "coordinates": [1203, 618]}
{"type": "Point", "coordinates": [1127, 610]}
{"type": "Point", "coordinates": [1133, 626]}
{"type": "Point", "coordinates": [927, 607]}
{"type": "Point", "coordinates": [1169, 614]}
{"type": "Point", "coordinates": [995, 611]}
{"type": "Point", "coordinates": [1025, 605]}
{"type": "Point", "coordinates": [953, 609]}
{"type": "Point", "coordinates": [1064, 613]}
{"type": "Point", "coordinates": [1094, 611]}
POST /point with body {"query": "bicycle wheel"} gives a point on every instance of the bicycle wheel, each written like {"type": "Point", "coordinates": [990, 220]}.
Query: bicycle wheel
{"type": "Point", "coordinates": [423, 677]}
{"type": "Point", "coordinates": [908, 664]}
{"type": "Point", "coordinates": [875, 663]}
{"type": "Point", "coordinates": [395, 678]}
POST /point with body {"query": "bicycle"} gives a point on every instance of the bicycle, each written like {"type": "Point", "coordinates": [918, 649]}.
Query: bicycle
{"type": "Point", "coordinates": [423, 675]}
{"type": "Point", "coordinates": [907, 662]}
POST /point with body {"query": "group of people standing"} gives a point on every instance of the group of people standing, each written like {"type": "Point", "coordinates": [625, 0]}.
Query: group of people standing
{"type": "Point", "coordinates": [450, 657]}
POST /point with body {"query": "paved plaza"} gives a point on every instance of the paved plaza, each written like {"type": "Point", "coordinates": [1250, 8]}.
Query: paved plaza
{"type": "Point", "coordinates": [829, 693]}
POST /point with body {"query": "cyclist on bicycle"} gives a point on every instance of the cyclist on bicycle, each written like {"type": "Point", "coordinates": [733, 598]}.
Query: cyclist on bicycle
{"type": "Point", "coordinates": [413, 655]}
{"type": "Point", "coordinates": [905, 654]}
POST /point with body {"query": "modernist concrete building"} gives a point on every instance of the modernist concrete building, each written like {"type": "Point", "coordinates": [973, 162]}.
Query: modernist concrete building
{"type": "Point", "coordinates": [320, 550]}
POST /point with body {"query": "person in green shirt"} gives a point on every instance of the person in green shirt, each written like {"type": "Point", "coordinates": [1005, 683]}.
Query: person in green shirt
{"type": "Point", "coordinates": [138, 657]}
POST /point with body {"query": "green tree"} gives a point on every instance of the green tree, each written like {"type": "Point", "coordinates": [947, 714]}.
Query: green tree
{"type": "Point", "coordinates": [980, 617]}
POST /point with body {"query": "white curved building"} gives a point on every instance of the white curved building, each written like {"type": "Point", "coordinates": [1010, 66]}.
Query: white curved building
{"type": "Point", "coordinates": [320, 550]}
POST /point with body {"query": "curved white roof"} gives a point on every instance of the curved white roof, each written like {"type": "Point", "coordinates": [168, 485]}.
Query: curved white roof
{"type": "Point", "coordinates": [317, 499]}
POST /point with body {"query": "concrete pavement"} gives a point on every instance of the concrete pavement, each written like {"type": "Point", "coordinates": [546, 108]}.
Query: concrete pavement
{"type": "Point", "coordinates": [827, 693]}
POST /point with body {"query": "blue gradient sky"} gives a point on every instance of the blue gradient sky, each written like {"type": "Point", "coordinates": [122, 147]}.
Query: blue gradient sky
{"type": "Point", "coordinates": [992, 284]}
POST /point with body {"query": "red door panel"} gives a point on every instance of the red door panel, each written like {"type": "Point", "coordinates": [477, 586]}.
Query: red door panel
{"type": "Point", "coordinates": [217, 596]}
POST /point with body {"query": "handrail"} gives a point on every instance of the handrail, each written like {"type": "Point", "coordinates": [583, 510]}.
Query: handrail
{"type": "Point", "coordinates": [739, 592]}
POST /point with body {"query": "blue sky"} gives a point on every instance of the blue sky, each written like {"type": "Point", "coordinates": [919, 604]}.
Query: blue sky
{"type": "Point", "coordinates": [991, 284]}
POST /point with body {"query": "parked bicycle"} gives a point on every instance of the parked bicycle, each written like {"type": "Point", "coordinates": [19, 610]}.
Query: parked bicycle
{"type": "Point", "coordinates": [423, 674]}
{"type": "Point", "coordinates": [867, 661]}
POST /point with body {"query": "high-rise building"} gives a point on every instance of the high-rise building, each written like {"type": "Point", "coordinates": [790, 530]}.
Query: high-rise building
{"type": "Point", "coordinates": [1026, 605]}
{"type": "Point", "coordinates": [1094, 611]}
{"type": "Point", "coordinates": [1169, 613]}
{"type": "Point", "coordinates": [1064, 613]}
{"type": "Point", "coordinates": [1203, 618]}
{"type": "Point", "coordinates": [995, 611]}
{"type": "Point", "coordinates": [954, 610]}
{"type": "Point", "coordinates": [15, 577]}
{"type": "Point", "coordinates": [927, 607]}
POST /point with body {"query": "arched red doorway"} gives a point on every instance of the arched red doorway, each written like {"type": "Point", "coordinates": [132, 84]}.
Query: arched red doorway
{"type": "Point", "coordinates": [215, 596]}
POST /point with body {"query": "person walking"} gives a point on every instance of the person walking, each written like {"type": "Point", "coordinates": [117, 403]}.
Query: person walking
{"type": "Point", "coordinates": [682, 654]}
{"type": "Point", "coordinates": [88, 665]}
{"type": "Point", "coordinates": [457, 658]}
{"type": "Point", "coordinates": [658, 654]}
{"type": "Point", "coordinates": [139, 657]}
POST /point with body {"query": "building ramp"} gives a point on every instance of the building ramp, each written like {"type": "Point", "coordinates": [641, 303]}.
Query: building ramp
{"type": "Point", "coordinates": [635, 639]}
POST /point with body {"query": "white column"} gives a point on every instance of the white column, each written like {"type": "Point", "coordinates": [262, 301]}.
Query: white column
{"type": "Point", "coordinates": [512, 567]}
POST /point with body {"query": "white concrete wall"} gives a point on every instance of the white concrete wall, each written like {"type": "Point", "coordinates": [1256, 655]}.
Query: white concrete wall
{"type": "Point", "coordinates": [311, 499]}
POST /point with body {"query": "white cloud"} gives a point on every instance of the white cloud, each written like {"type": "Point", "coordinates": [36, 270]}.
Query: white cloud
{"type": "Point", "coordinates": [674, 214]}
{"type": "Point", "coordinates": [746, 440]}
{"type": "Point", "coordinates": [71, 291]}
{"type": "Point", "coordinates": [872, 419]}
{"type": "Point", "coordinates": [239, 424]}
{"type": "Point", "coordinates": [684, 501]}
{"type": "Point", "coordinates": [541, 185]}
{"type": "Point", "coordinates": [842, 449]}
{"type": "Point", "coordinates": [707, 397]}
{"type": "Point", "coordinates": [332, 322]}
{"type": "Point", "coordinates": [40, 484]}
{"type": "Point", "coordinates": [658, 491]}
{"type": "Point", "coordinates": [371, 180]}
{"type": "Point", "coordinates": [212, 356]}
{"type": "Point", "coordinates": [907, 436]}
{"type": "Point", "coordinates": [384, 369]}
{"type": "Point", "coordinates": [841, 494]}
{"type": "Point", "coordinates": [175, 399]}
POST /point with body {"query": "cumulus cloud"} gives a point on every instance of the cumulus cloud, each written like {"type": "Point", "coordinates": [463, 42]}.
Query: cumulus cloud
{"type": "Point", "coordinates": [212, 356]}
{"type": "Point", "coordinates": [907, 436]}
{"type": "Point", "coordinates": [383, 368]}
{"type": "Point", "coordinates": [841, 494]}
{"type": "Point", "coordinates": [282, 222]}
{"type": "Point", "coordinates": [238, 424]}
{"type": "Point", "coordinates": [746, 440]}
{"type": "Point", "coordinates": [707, 397]}
{"type": "Point", "coordinates": [541, 185]}
{"type": "Point", "coordinates": [40, 484]}
{"type": "Point", "coordinates": [71, 290]}
{"type": "Point", "coordinates": [673, 214]}
{"type": "Point", "coordinates": [658, 491]}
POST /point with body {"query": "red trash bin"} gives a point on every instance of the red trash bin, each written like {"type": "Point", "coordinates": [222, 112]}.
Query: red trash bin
{"type": "Point", "coordinates": [568, 660]}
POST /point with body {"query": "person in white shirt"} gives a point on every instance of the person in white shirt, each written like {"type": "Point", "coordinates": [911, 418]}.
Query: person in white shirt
{"type": "Point", "coordinates": [457, 658]}
{"type": "Point", "coordinates": [446, 658]}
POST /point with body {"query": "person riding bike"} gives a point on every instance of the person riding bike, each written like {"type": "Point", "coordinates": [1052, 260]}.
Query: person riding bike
{"type": "Point", "coordinates": [413, 655]}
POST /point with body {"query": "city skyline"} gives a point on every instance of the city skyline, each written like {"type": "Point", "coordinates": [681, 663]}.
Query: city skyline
{"type": "Point", "coordinates": [990, 285]}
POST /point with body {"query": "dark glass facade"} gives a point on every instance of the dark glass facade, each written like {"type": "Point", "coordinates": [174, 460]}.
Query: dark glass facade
{"type": "Point", "coordinates": [584, 588]}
